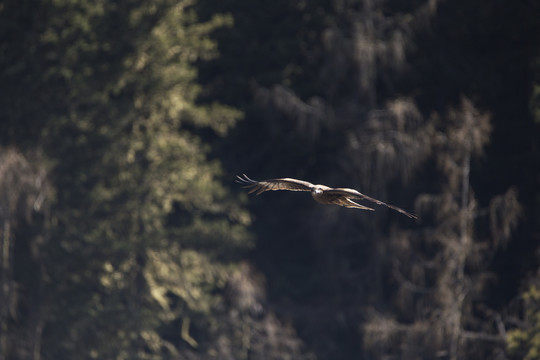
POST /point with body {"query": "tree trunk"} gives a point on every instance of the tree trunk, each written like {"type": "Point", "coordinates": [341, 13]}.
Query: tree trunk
{"type": "Point", "coordinates": [5, 286]}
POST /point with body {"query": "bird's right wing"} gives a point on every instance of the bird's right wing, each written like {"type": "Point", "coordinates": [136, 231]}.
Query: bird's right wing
{"type": "Point", "coordinates": [354, 194]}
{"type": "Point", "coordinates": [273, 184]}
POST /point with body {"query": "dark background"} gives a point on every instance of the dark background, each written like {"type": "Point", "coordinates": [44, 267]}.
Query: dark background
{"type": "Point", "coordinates": [123, 125]}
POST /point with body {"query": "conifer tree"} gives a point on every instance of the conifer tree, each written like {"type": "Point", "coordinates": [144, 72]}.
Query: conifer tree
{"type": "Point", "coordinates": [143, 234]}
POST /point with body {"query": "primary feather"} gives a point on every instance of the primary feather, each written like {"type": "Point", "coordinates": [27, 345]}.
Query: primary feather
{"type": "Point", "coordinates": [273, 184]}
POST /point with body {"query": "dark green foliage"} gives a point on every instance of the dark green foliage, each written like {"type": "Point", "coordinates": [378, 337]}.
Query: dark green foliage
{"type": "Point", "coordinates": [114, 109]}
{"type": "Point", "coordinates": [523, 341]}
{"type": "Point", "coordinates": [123, 123]}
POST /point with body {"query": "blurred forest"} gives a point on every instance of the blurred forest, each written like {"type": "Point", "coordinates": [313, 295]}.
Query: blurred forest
{"type": "Point", "coordinates": [122, 127]}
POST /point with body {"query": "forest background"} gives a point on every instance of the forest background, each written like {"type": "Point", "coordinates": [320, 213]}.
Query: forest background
{"type": "Point", "coordinates": [122, 127]}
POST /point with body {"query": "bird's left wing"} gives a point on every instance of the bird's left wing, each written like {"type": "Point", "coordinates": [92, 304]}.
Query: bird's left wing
{"type": "Point", "coordinates": [354, 194]}
{"type": "Point", "coordinates": [273, 184]}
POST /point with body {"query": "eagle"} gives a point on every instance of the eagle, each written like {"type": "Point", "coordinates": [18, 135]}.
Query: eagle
{"type": "Point", "coordinates": [321, 193]}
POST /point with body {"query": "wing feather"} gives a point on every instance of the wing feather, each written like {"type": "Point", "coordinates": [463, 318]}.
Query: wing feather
{"type": "Point", "coordinates": [354, 194]}
{"type": "Point", "coordinates": [273, 184]}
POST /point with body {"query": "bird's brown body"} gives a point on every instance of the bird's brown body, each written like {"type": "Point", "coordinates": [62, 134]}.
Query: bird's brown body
{"type": "Point", "coordinates": [321, 193]}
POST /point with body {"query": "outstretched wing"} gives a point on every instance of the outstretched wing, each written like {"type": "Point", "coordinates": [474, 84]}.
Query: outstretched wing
{"type": "Point", "coordinates": [353, 194]}
{"type": "Point", "coordinates": [273, 184]}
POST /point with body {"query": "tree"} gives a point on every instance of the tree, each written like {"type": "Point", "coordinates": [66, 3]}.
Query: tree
{"type": "Point", "coordinates": [444, 266]}
{"type": "Point", "coordinates": [143, 234]}
{"type": "Point", "coordinates": [24, 201]}
{"type": "Point", "coordinates": [523, 340]}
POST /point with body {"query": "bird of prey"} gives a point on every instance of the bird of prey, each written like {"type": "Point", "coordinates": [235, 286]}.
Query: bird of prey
{"type": "Point", "coordinates": [321, 193]}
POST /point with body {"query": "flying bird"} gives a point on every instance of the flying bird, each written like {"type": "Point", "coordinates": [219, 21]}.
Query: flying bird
{"type": "Point", "coordinates": [321, 193]}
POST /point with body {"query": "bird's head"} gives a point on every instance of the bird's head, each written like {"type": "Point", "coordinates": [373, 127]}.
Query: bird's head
{"type": "Point", "coordinates": [316, 190]}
